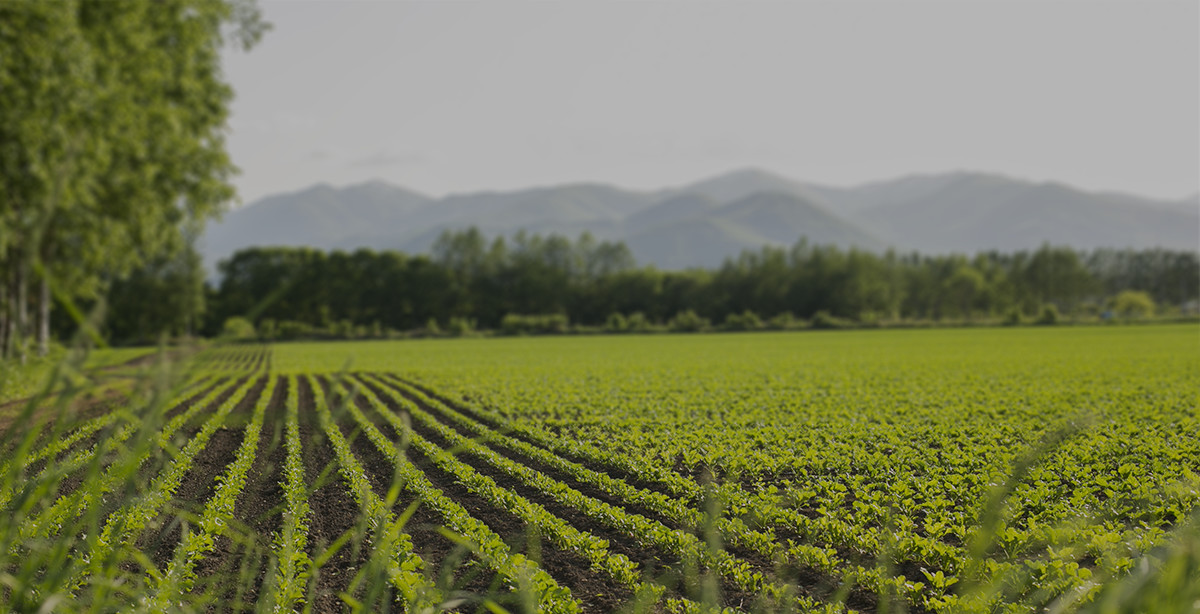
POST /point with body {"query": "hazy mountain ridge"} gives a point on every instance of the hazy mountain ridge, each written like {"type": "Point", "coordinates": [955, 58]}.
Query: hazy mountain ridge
{"type": "Point", "coordinates": [701, 224]}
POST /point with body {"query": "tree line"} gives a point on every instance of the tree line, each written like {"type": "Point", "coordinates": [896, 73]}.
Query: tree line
{"type": "Point", "coordinates": [112, 148]}
{"type": "Point", "coordinates": [533, 283]}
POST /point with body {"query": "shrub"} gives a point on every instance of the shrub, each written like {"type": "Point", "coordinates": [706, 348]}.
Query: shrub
{"type": "Point", "coordinates": [637, 322]}
{"type": "Point", "coordinates": [238, 328]}
{"type": "Point", "coordinates": [460, 326]}
{"type": "Point", "coordinates": [824, 320]}
{"type": "Point", "coordinates": [1049, 315]}
{"type": "Point", "coordinates": [517, 324]}
{"type": "Point", "coordinates": [747, 320]}
{"type": "Point", "coordinates": [1013, 317]}
{"type": "Point", "coordinates": [290, 329]}
{"type": "Point", "coordinates": [687, 321]}
{"type": "Point", "coordinates": [616, 323]}
{"type": "Point", "coordinates": [784, 321]}
{"type": "Point", "coordinates": [1130, 304]}
{"type": "Point", "coordinates": [267, 330]}
{"type": "Point", "coordinates": [342, 329]}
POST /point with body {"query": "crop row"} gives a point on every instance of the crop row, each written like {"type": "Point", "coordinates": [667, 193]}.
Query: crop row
{"type": "Point", "coordinates": [764, 509]}
{"type": "Point", "coordinates": [650, 533]}
{"type": "Point", "coordinates": [522, 573]}
{"type": "Point", "coordinates": [180, 574]}
{"type": "Point", "coordinates": [683, 486]}
{"type": "Point", "coordinates": [291, 541]}
{"type": "Point", "coordinates": [124, 527]}
{"type": "Point", "coordinates": [912, 473]}
{"type": "Point", "coordinates": [239, 359]}
{"type": "Point", "coordinates": [116, 474]}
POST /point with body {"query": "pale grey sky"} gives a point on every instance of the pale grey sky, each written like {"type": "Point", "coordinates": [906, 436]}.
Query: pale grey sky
{"type": "Point", "coordinates": [464, 96]}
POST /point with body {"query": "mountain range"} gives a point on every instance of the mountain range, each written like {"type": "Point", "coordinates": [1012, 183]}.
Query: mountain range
{"type": "Point", "coordinates": [701, 224]}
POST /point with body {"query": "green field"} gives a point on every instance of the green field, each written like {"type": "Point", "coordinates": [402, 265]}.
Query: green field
{"type": "Point", "coordinates": [924, 470]}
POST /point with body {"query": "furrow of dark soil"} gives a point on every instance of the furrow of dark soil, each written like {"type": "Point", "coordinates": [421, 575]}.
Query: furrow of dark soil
{"type": "Point", "coordinates": [539, 466]}
{"type": "Point", "coordinates": [161, 538]}
{"type": "Point", "coordinates": [238, 567]}
{"type": "Point", "coordinates": [666, 567]}
{"type": "Point", "coordinates": [808, 580]}
{"type": "Point", "coordinates": [610, 468]}
{"type": "Point", "coordinates": [94, 438]}
{"type": "Point", "coordinates": [66, 418]}
{"type": "Point", "coordinates": [451, 565]}
{"type": "Point", "coordinates": [97, 468]}
{"type": "Point", "coordinates": [83, 444]}
{"type": "Point", "coordinates": [207, 388]}
{"type": "Point", "coordinates": [334, 513]}
{"type": "Point", "coordinates": [598, 593]}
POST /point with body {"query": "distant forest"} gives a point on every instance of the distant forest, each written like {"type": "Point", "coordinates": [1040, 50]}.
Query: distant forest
{"type": "Point", "coordinates": [533, 283]}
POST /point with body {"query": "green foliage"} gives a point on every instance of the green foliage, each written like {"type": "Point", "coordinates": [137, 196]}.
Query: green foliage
{"type": "Point", "coordinates": [267, 330]}
{"type": "Point", "coordinates": [468, 278]}
{"type": "Point", "coordinates": [1132, 304]}
{"type": "Point", "coordinates": [181, 574]}
{"type": "Point", "coordinates": [517, 324]}
{"type": "Point", "coordinates": [823, 320]}
{"type": "Point", "coordinates": [888, 453]}
{"type": "Point", "coordinates": [291, 330]}
{"type": "Point", "coordinates": [963, 289]}
{"type": "Point", "coordinates": [342, 329]}
{"type": "Point", "coordinates": [295, 565]}
{"type": "Point", "coordinates": [112, 123]}
{"type": "Point", "coordinates": [177, 309]}
{"type": "Point", "coordinates": [460, 327]}
{"type": "Point", "coordinates": [960, 470]}
{"type": "Point", "coordinates": [1049, 315]}
{"type": "Point", "coordinates": [747, 320]}
{"type": "Point", "coordinates": [785, 321]}
{"type": "Point", "coordinates": [1014, 317]}
{"type": "Point", "coordinates": [638, 322]}
{"type": "Point", "coordinates": [20, 381]}
{"type": "Point", "coordinates": [687, 321]}
{"type": "Point", "coordinates": [237, 329]}
{"type": "Point", "coordinates": [616, 323]}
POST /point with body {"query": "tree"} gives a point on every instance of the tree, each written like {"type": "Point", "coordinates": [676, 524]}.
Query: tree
{"type": "Point", "coordinates": [1057, 275]}
{"type": "Point", "coordinates": [177, 287]}
{"type": "Point", "coordinates": [112, 130]}
{"type": "Point", "coordinates": [1131, 304]}
{"type": "Point", "coordinates": [46, 77]}
{"type": "Point", "coordinates": [963, 287]}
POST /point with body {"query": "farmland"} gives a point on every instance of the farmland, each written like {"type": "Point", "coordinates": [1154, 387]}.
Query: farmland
{"type": "Point", "coordinates": [931, 470]}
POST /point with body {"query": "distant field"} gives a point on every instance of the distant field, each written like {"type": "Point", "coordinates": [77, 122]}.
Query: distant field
{"type": "Point", "coordinates": [23, 381]}
{"type": "Point", "coordinates": [934, 470]}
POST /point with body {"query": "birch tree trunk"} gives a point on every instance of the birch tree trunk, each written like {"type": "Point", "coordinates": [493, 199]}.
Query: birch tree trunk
{"type": "Point", "coordinates": [22, 324]}
{"type": "Point", "coordinates": [43, 333]}
{"type": "Point", "coordinates": [4, 315]}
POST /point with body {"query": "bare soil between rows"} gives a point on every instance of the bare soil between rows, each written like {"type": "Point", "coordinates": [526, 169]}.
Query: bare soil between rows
{"type": "Point", "coordinates": [239, 565]}
{"type": "Point", "coordinates": [452, 566]}
{"type": "Point", "coordinates": [809, 581]}
{"type": "Point", "coordinates": [199, 483]}
{"type": "Point", "coordinates": [334, 513]}
{"type": "Point", "coordinates": [596, 592]}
